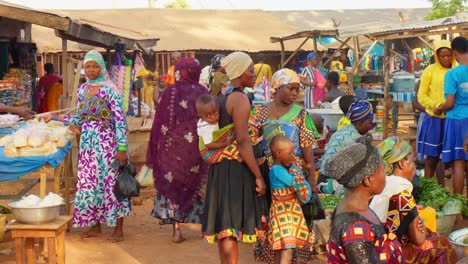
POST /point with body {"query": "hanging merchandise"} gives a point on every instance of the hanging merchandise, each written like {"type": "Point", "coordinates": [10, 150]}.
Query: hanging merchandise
{"type": "Point", "coordinates": [122, 76]}
{"type": "Point", "coordinates": [419, 55]}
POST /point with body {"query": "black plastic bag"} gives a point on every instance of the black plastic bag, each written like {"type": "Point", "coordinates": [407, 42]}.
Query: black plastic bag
{"type": "Point", "coordinates": [126, 185]}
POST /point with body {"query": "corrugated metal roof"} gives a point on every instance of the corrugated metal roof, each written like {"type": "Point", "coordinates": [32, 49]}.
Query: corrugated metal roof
{"type": "Point", "coordinates": [457, 20]}
{"type": "Point", "coordinates": [314, 19]}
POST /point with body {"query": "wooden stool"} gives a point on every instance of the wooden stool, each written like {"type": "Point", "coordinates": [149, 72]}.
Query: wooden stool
{"type": "Point", "coordinates": [54, 232]}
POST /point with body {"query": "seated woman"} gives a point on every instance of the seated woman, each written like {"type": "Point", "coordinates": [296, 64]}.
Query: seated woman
{"type": "Point", "coordinates": [361, 115]}
{"type": "Point", "coordinates": [396, 208]}
{"type": "Point", "coordinates": [357, 235]}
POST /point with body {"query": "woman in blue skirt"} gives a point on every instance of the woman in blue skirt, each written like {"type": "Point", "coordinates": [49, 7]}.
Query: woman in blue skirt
{"type": "Point", "coordinates": [456, 108]}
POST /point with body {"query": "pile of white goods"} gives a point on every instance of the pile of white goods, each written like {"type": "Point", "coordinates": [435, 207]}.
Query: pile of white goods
{"type": "Point", "coordinates": [33, 201]}
{"type": "Point", "coordinates": [36, 138]}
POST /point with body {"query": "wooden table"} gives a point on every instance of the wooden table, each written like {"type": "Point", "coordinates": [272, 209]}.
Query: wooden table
{"type": "Point", "coordinates": [53, 232]}
{"type": "Point", "coordinates": [63, 170]}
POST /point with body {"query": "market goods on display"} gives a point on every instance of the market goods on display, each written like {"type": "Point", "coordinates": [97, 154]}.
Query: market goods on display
{"type": "Point", "coordinates": [16, 87]}
{"type": "Point", "coordinates": [36, 139]}
{"type": "Point", "coordinates": [437, 197]}
{"type": "Point", "coordinates": [329, 201]}
{"type": "Point", "coordinates": [33, 201]}
{"type": "Point", "coordinates": [8, 120]}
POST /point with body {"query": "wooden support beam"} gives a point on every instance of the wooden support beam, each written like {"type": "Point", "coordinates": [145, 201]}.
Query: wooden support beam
{"type": "Point", "coordinates": [363, 56]}
{"type": "Point", "coordinates": [427, 43]}
{"type": "Point", "coordinates": [315, 43]}
{"type": "Point", "coordinates": [410, 53]}
{"type": "Point", "coordinates": [343, 43]}
{"type": "Point", "coordinates": [392, 51]}
{"type": "Point", "coordinates": [296, 51]}
{"type": "Point", "coordinates": [64, 68]}
{"type": "Point", "coordinates": [283, 55]}
{"type": "Point", "coordinates": [386, 84]}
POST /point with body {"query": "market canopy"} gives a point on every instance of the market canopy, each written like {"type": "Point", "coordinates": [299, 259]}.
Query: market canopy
{"type": "Point", "coordinates": [305, 35]}
{"type": "Point", "coordinates": [448, 25]}
{"type": "Point", "coordinates": [188, 30]}
{"type": "Point", "coordinates": [67, 27]}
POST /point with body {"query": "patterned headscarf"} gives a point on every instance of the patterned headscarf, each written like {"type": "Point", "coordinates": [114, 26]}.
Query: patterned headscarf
{"type": "Point", "coordinates": [103, 79]}
{"type": "Point", "coordinates": [215, 64]}
{"type": "Point", "coordinates": [352, 164]}
{"type": "Point", "coordinates": [392, 150]}
{"type": "Point", "coordinates": [312, 56]}
{"type": "Point", "coordinates": [283, 77]}
{"type": "Point", "coordinates": [360, 110]}
{"type": "Point", "coordinates": [236, 64]}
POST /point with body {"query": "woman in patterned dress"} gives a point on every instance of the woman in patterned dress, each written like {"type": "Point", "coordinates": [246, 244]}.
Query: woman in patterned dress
{"type": "Point", "coordinates": [178, 168]}
{"type": "Point", "coordinates": [357, 235]}
{"type": "Point", "coordinates": [103, 140]}
{"type": "Point", "coordinates": [396, 208]}
{"type": "Point", "coordinates": [283, 117]}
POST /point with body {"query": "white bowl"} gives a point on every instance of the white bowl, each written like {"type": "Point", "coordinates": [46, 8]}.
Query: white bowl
{"type": "Point", "coordinates": [331, 117]}
{"type": "Point", "coordinates": [456, 238]}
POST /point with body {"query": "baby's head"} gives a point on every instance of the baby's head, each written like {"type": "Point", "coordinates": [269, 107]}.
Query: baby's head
{"type": "Point", "coordinates": [207, 109]}
{"type": "Point", "coordinates": [282, 149]}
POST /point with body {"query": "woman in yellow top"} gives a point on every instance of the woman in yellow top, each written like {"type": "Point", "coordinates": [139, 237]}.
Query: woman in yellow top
{"type": "Point", "coordinates": [431, 96]}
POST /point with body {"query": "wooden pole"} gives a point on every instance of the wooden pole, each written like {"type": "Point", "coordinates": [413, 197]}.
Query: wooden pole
{"type": "Point", "coordinates": [296, 51]}
{"type": "Point", "coordinates": [386, 83]}
{"type": "Point", "coordinates": [410, 54]}
{"type": "Point", "coordinates": [282, 54]}
{"type": "Point", "coordinates": [64, 68]}
{"type": "Point", "coordinates": [425, 42]}
{"type": "Point", "coordinates": [109, 59]}
{"type": "Point", "coordinates": [315, 44]}
{"type": "Point", "coordinates": [343, 43]}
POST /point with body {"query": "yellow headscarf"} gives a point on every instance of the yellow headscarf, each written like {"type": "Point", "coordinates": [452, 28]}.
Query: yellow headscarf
{"type": "Point", "coordinates": [283, 77]}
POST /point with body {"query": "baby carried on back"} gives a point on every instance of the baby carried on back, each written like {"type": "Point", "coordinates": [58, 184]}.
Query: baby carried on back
{"type": "Point", "coordinates": [217, 144]}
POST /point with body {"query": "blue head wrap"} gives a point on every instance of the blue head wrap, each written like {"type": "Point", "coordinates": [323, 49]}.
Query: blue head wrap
{"type": "Point", "coordinates": [360, 110]}
{"type": "Point", "coordinates": [311, 56]}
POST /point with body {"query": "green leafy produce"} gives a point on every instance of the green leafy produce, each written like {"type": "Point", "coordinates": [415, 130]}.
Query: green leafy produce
{"type": "Point", "coordinates": [329, 201]}
{"type": "Point", "coordinates": [5, 210]}
{"type": "Point", "coordinates": [437, 197]}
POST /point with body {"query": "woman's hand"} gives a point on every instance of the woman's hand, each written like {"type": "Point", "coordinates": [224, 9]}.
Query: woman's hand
{"type": "Point", "coordinates": [47, 117]}
{"type": "Point", "coordinates": [261, 187]}
{"type": "Point", "coordinates": [421, 226]}
{"type": "Point", "coordinates": [24, 112]}
{"type": "Point", "coordinates": [437, 111]}
{"type": "Point", "coordinates": [121, 156]}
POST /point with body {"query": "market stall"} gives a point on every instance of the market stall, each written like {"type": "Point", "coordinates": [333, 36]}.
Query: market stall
{"type": "Point", "coordinates": [58, 162]}
{"type": "Point", "coordinates": [445, 26]}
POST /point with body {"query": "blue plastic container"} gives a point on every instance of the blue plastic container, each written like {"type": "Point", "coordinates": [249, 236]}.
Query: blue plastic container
{"type": "Point", "coordinates": [403, 82]}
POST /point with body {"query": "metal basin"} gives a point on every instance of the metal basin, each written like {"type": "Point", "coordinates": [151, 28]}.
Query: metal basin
{"type": "Point", "coordinates": [456, 239]}
{"type": "Point", "coordinates": [35, 216]}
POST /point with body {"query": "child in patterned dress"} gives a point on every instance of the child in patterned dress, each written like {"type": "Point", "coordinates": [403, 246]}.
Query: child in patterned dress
{"type": "Point", "coordinates": [287, 228]}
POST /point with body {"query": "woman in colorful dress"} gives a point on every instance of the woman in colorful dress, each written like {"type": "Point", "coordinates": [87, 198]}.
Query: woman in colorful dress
{"type": "Point", "coordinates": [283, 116]}
{"type": "Point", "coordinates": [357, 235]}
{"type": "Point", "coordinates": [396, 208]}
{"type": "Point", "coordinates": [103, 140]}
{"type": "Point", "coordinates": [234, 203]}
{"type": "Point", "coordinates": [431, 96]}
{"type": "Point", "coordinates": [313, 81]}
{"type": "Point", "coordinates": [178, 168]}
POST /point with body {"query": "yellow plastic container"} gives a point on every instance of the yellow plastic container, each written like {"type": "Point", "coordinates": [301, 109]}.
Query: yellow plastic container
{"type": "Point", "coordinates": [429, 215]}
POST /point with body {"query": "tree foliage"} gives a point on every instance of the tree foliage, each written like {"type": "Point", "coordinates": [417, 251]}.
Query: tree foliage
{"type": "Point", "coordinates": [446, 8]}
{"type": "Point", "coordinates": [178, 4]}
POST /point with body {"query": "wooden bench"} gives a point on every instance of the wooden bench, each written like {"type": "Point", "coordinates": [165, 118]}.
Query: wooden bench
{"type": "Point", "coordinates": [53, 232]}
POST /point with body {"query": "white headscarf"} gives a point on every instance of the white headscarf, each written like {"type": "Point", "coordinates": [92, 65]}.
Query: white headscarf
{"type": "Point", "coordinates": [236, 64]}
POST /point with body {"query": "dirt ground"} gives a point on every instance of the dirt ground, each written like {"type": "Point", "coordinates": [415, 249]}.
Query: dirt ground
{"type": "Point", "coordinates": [146, 242]}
